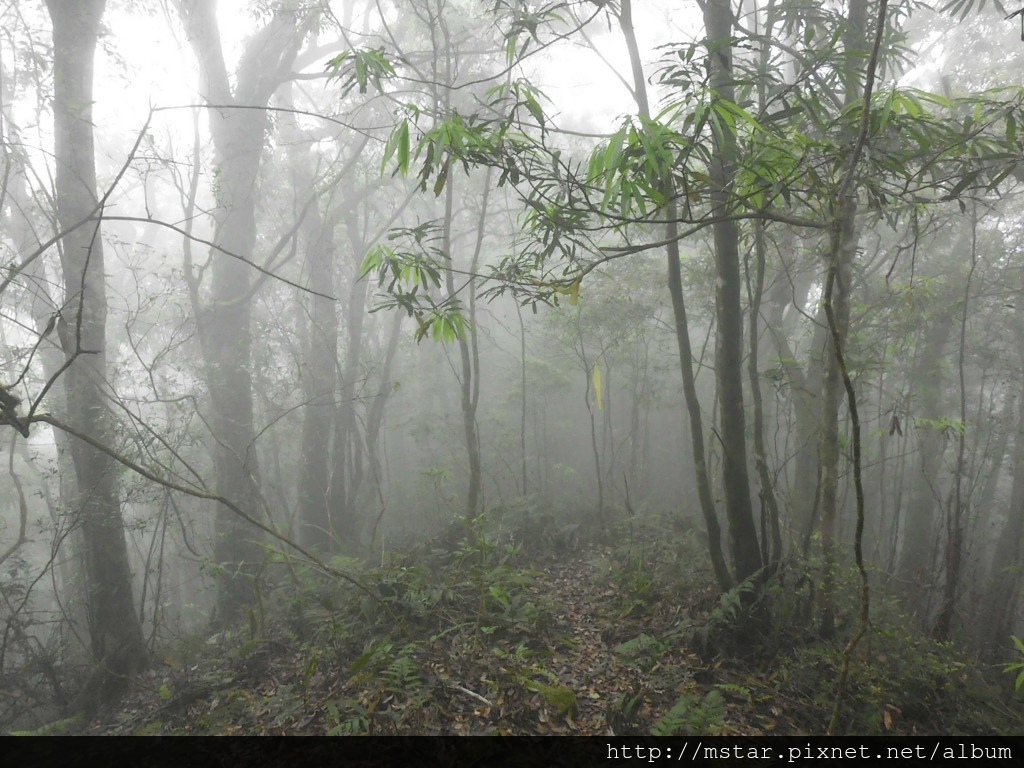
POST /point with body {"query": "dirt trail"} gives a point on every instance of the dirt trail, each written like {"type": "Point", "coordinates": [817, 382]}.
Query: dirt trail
{"type": "Point", "coordinates": [565, 672]}
{"type": "Point", "coordinates": [617, 690]}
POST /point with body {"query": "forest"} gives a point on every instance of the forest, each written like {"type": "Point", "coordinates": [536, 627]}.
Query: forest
{"type": "Point", "coordinates": [456, 367]}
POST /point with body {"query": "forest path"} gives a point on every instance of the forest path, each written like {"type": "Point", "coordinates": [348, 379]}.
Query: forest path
{"type": "Point", "coordinates": [589, 643]}
{"type": "Point", "coordinates": [579, 644]}
{"type": "Point", "coordinates": [613, 652]}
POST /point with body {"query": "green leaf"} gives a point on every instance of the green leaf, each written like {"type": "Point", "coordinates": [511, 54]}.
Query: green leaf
{"type": "Point", "coordinates": [442, 177]}
{"type": "Point", "coordinates": [369, 66]}
{"type": "Point", "coordinates": [500, 595]}
{"type": "Point", "coordinates": [361, 74]}
{"type": "Point", "coordinates": [886, 112]}
{"type": "Point", "coordinates": [613, 154]}
{"type": "Point", "coordinates": [374, 259]}
{"type": "Point", "coordinates": [510, 49]}
{"type": "Point", "coordinates": [403, 148]}
{"type": "Point", "coordinates": [533, 106]}
{"type": "Point", "coordinates": [338, 60]}
{"type": "Point", "coordinates": [398, 142]}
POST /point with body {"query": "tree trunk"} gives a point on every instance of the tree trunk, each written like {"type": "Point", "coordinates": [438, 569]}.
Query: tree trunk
{"type": "Point", "coordinates": [319, 372]}
{"type": "Point", "coordinates": [1000, 598]}
{"type": "Point", "coordinates": [842, 251]}
{"type": "Point", "coordinates": [927, 381]}
{"type": "Point", "coordinates": [771, 529]}
{"type": "Point", "coordinates": [957, 514]}
{"type": "Point", "coordinates": [347, 474]}
{"type": "Point", "coordinates": [375, 419]}
{"type": "Point", "coordinates": [70, 564]}
{"type": "Point", "coordinates": [746, 552]}
{"type": "Point", "coordinates": [469, 353]}
{"type": "Point", "coordinates": [319, 387]}
{"type": "Point", "coordinates": [804, 385]}
{"type": "Point", "coordinates": [682, 327]}
{"type": "Point", "coordinates": [115, 632]}
{"type": "Point", "coordinates": [224, 324]}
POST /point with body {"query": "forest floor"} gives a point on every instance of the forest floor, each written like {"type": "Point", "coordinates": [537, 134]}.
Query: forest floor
{"type": "Point", "coordinates": [591, 640]}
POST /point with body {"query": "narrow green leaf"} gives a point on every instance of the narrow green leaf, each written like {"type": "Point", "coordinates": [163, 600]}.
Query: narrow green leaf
{"type": "Point", "coordinates": [442, 177]}
{"type": "Point", "coordinates": [361, 76]}
{"type": "Point", "coordinates": [403, 147]}
{"type": "Point", "coordinates": [533, 106]}
{"type": "Point", "coordinates": [613, 154]}
{"type": "Point", "coordinates": [886, 112]}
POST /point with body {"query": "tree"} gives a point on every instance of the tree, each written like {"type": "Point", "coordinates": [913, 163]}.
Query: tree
{"type": "Point", "coordinates": [843, 241]}
{"type": "Point", "coordinates": [718, 23]}
{"type": "Point", "coordinates": [823, 157]}
{"type": "Point", "coordinates": [238, 123]}
{"type": "Point", "coordinates": [114, 629]}
{"type": "Point", "coordinates": [682, 326]}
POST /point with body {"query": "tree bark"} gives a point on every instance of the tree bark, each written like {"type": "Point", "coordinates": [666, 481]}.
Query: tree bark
{"type": "Point", "coordinates": [960, 503]}
{"type": "Point", "coordinates": [238, 123]}
{"type": "Point", "coordinates": [319, 370]}
{"type": "Point", "coordinates": [682, 327]}
{"type": "Point", "coordinates": [469, 354]}
{"type": "Point", "coordinates": [842, 252]}
{"type": "Point", "coordinates": [320, 381]}
{"type": "Point", "coordinates": [26, 239]}
{"type": "Point", "coordinates": [746, 552]}
{"type": "Point", "coordinates": [1000, 599]}
{"type": "Point", "coordinates": [115, 632]}
{"type": "Point", "coordinates": [771, 529]}
{"type": "Point", "coordinates": [928, 381]}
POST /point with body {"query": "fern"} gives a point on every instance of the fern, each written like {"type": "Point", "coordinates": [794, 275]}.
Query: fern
{"type": "Point", "coordinates": [690, 716]}
{"type": "Point", "coordinates": [1016, 666]}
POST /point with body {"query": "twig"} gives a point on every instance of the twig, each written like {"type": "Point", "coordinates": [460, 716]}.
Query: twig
{"type": "Point", "coordinates": [471, 694]}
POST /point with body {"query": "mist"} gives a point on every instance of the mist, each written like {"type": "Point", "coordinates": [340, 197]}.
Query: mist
{"type": "Point", "coordinates": [496, 368]}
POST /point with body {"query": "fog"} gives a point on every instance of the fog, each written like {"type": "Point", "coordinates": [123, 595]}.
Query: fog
{"type": "Point", "coordinates": [301, 297]}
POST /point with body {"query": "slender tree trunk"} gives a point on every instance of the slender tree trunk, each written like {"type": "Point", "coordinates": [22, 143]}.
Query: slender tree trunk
{"type": "Point", "coordinates": [638, 414]}
{"type": "Point", "coordinates": [319, 388]}
{"type": "Point", "coordinates": [115, 633]}
{"type": "Point", "coordinates": [955, 521]}
{"type": "Point", "coordinates": [771, 529]}
{"type": "Point", "coordinates": [319, 323]}
{"type": "Point", "coordinates": [469, 378]}
{"type": "Point", "coordinates": [805, 386]}
{"type": "Point", "coordinates": [347, 461]}
{"type": "Point", "coordinates": [522, 399]}
{"type": "Point", "coordinates": [375, 419]}
{"type": "Point", "coordinates": [682, 327]}
{"type": "Point", "coordinates": [746, 552]}
{"type": "Point", "coordinates": [927, 380]}
{"type": "Point", "coordinates": [843, 248]}
{"type": "Point", "coordinates": [469, 353]}
{"type": "Point", "coordinates": [842, 251]}
{"type": "Point", "coordinates": [589, 371]}
{"type": "Point", "coordinates": [1001, 596]}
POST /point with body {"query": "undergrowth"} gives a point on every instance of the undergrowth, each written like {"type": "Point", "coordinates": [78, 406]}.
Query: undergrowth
{"type": "Point", "coordinates": [487, 637]}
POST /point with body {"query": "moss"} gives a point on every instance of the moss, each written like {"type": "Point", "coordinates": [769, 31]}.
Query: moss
{"type": "Point", "coordinates": [561, 698]}
{"type": "Point", "coordinates": [156, 728]}
{"type": "Point", "coordinates": [58, 728]}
